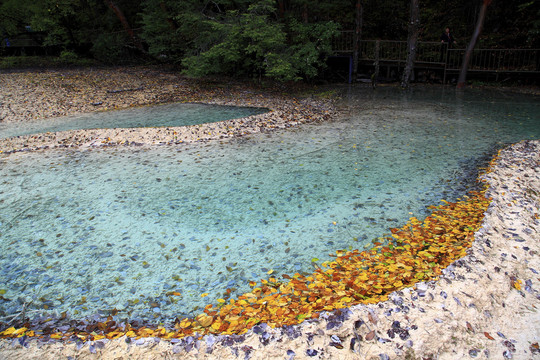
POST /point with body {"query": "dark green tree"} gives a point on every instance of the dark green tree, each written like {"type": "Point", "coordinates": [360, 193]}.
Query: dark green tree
{"type": "Point", "coordinates": [14, 16]}
{"type": "Point", "coordinates": [280, 39]}
{"type": "Point", "coordinates": [255, 41]}
{"type": "Point", "coordinates": [169, 27]}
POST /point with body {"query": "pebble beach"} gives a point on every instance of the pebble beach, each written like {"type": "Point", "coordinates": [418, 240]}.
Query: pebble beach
{"type": "Point", "coordinates": [483, 306]}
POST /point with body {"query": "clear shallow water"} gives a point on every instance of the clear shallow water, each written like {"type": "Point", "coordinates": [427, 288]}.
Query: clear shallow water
{"type": "Point", "coordinates": [89, 231]}
{"type": "Point", "coordinates": [166, 115]}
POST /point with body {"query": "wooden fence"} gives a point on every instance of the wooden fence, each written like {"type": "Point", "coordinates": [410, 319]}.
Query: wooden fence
{"type": "Point", "coordinates": [437, 56]}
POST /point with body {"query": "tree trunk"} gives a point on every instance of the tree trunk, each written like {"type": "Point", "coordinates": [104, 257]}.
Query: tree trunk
{"type": "Point", "coordinates": [357, 37]}
{"type": "Point", "coordinates": [125, 24]}
{"type": "Point", "coordinates": [281, 7]}
{"type": "Point", "coordinates": [472, 44]}
{"type": "Point", "coordinates": [412, 43]}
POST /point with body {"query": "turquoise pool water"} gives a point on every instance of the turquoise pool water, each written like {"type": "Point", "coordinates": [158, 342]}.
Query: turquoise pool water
{"type": "Point", "coordinates": [166, 115]}
{"type": "Point", "coordinates": [90, 231]}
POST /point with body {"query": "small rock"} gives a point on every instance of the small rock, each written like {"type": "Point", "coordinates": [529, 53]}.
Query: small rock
{"type": "Point", "coordinates": [421, 288]}
{"type": "Point", "coordinates": [291, 354]}
{"type": "Point", "coordinates": [311, 352]}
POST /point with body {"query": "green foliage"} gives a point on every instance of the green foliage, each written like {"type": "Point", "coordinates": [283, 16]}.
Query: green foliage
{"type": "Point", "coordinates": [238, 44]}
{"type": "Point", "coordinates": [68, 56]}
{"type": "Point", "coordinates": [530, 10]}
{"type": "Point", "coordinates": [255, 44]}
{"type": "Point", "coordinates": [15, 15]}
{"type": "Point", "coordinates": [287, 40]}
{"type": "Point", "coordinates": [109, 49]}
{"type": "Point", "coordinates": [311, 43]}
{"type": "Point", "coordinates": [161, 29]}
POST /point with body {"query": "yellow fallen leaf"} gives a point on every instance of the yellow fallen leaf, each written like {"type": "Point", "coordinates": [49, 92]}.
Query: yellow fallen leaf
{"type": "Point", "coordinates": [19, 331]}
{"type": "Point", "coordinates": [204, 320]}
{"type": "Point", "coordinates": [8, 331]}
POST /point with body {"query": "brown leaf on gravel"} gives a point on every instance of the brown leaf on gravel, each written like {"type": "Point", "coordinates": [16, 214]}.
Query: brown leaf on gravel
{"type": "Point", "coordinates": [370, 335]}
{"type": "Point", "coordinates": [372, 319]}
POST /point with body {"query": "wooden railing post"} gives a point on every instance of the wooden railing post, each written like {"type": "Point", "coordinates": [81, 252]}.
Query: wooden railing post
{"type": "Point", "coordinates": [446, 54]}
{"type": "Point", "coordinates": [376, 71]}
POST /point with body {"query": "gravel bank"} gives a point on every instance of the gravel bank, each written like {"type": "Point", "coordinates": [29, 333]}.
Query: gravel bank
{"type": "Point", "coordinates": [37, 96]}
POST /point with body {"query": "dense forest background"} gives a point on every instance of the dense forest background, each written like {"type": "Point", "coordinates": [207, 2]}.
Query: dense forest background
{"type": "Point", "coordinates": [280, 39]}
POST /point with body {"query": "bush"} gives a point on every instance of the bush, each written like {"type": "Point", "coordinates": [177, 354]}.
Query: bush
{"type": "Point", "coordinates": [68, 57]}
{"type": "Point", "coordinates": [111, 49]}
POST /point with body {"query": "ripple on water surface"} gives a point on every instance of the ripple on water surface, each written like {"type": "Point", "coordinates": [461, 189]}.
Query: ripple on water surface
{"type": "Point", "coordinates": [150, 231]}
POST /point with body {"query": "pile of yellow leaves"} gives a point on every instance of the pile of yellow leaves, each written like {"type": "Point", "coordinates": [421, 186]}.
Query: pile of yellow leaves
{"type": "Point", "coordinates": [418, 251]}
